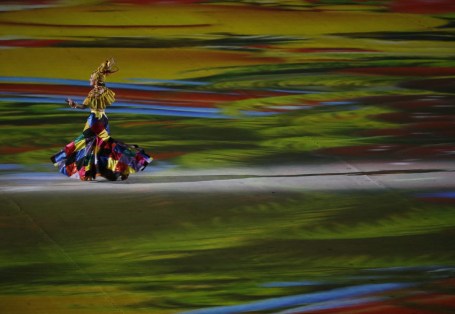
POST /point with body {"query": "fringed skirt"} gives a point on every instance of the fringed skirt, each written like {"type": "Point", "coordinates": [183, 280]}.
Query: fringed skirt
{"type": "Point", "coordinates": [96, 153]}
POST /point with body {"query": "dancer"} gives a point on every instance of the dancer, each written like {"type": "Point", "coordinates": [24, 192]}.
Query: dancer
{"type": "Point", "coordinates": [95, 153]}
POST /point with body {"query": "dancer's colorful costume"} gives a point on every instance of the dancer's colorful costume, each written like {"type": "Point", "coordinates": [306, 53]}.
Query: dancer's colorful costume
{"type": "Point", "coordinates": [95, 152]}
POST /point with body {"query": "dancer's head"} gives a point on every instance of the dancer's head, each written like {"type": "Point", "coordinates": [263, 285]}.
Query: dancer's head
{"type": "Point", "coordinates": [99, 75]}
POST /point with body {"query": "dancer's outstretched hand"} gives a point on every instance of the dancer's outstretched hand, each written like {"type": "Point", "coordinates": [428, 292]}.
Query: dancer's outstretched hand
{"type": "Point", "coordinates": [71, 103]}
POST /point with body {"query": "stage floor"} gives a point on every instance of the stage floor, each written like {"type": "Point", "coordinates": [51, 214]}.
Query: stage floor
{"type": "Point", "coordinates": [328, 238]}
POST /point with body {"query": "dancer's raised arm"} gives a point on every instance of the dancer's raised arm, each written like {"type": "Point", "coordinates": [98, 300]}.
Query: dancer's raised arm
{"type": "Point", "coordinates": [74, 104]}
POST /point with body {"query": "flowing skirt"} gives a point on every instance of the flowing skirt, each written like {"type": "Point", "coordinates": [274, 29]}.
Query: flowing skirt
{"type": "Point", "coordinates": [96, 153]}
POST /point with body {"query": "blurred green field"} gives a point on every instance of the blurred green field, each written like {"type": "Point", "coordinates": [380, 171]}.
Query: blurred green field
{"type": "Point", "coordinates": [180, 251]}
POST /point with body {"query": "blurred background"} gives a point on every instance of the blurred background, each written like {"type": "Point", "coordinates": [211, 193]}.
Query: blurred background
{"type": "Point", "coordinates": [217, 83]}
{"type": "Point", "coordinates": [211, 85]}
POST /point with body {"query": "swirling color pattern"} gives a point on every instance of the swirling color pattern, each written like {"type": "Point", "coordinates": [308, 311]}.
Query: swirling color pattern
{"type": "Point", "coordinates": [220, 84]}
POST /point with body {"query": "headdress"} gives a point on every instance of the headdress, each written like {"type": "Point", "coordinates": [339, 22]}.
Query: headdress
{"type": "Point", "coordinates": [107, 67]}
